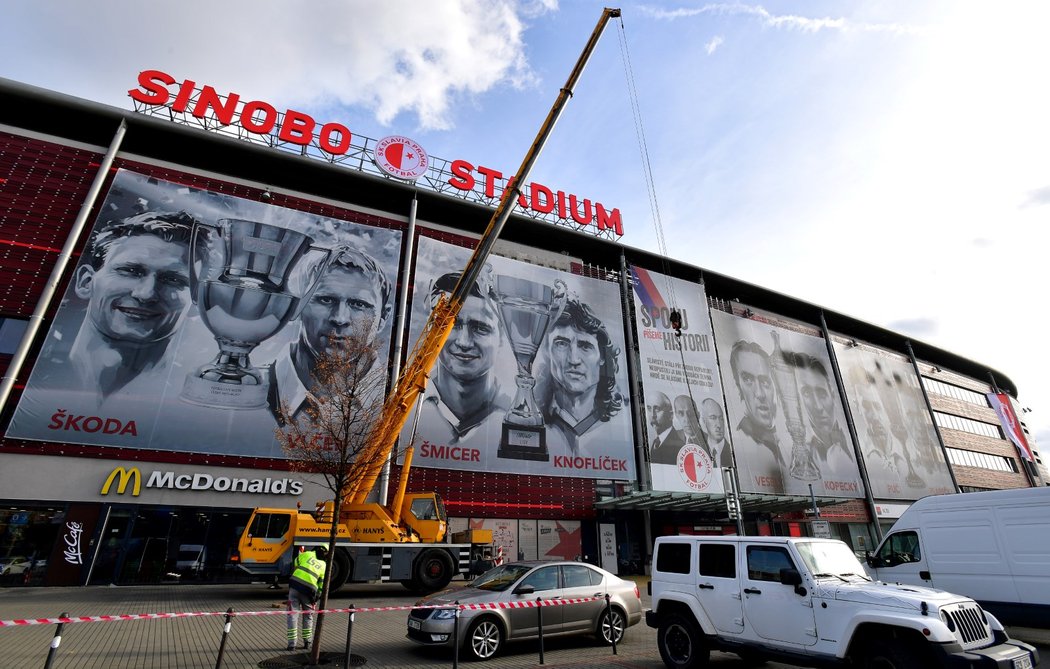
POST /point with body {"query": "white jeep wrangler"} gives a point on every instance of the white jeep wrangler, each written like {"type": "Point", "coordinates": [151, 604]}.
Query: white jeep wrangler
{"type": "Point", "coordinates": [808, 602]}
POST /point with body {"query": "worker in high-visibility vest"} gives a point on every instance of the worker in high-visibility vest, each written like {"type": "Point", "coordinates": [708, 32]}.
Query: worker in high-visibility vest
{"type": "Point", "coordinates": [304, 589]}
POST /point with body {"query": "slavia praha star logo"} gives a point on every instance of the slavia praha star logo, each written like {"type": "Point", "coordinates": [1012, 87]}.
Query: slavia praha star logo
{"type": "Point", "coordinates": [694, 464]}
{"type": "Point", "coordinates": [401, 157]}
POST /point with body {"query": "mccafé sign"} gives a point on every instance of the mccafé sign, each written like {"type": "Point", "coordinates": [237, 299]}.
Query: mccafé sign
{"type": "Point", "coordinates": [129, 479]}
{"type": "Point", "coordinates": [160, 89]}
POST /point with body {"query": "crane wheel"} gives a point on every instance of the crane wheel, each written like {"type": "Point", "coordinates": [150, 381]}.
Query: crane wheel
{"type": "Point", "coordinates": [341, 569]}
{"type": "Point", "coordinates": [433, 570]}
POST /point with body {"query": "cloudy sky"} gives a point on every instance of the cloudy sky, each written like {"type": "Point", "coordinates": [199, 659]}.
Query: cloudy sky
{"type": "Point", "coordinates": [889, 160]}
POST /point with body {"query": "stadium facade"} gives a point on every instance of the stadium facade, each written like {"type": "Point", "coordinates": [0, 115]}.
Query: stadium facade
{"type": "Point", "coordinates": [744, 410]}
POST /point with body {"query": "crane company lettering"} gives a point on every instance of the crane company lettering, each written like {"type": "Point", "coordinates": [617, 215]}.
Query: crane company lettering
{"type": "Point", "coordinates": [538, 197]}
{"type": "Point", "coordinates": [198, 481]}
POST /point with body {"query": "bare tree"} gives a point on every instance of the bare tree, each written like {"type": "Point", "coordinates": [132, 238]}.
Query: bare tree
{"type": "Point", "coordinates": [328, 436]}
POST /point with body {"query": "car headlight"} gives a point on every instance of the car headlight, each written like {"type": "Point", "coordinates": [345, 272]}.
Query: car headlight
{"type": "Point", "coordinates": [948, 621]}
{"type": "Point", "coordinates": [444, 614]}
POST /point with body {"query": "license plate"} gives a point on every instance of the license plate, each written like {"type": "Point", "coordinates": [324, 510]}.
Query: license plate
{"type": "Point", "coordinates": [415, 625]}
{"type": "Point", "coordinates": [1023, 662]}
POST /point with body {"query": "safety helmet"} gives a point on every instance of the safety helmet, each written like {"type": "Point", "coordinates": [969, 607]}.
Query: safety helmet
{"type": "Point", "coordinates": [321, 552]}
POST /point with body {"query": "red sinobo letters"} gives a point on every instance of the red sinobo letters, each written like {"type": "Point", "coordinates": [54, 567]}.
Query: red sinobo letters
{"type": "Point", "coordinates": [299, 128]}
{"type": "Point", "coordinates": [255, 116]}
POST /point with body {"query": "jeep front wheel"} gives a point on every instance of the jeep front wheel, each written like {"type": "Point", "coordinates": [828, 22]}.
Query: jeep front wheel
{"type": "Point", "coordinates": [891, 654]}
{"type": "Point", "coordinates": [681, 643]}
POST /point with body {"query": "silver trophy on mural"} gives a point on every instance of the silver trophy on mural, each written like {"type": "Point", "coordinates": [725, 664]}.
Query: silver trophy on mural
{"type": "Point", "coordinates": [803, 466]}
{"type": "Point", "coordinates": [528, 310]}
{"type": "Point", "coordinates": [248, 279]}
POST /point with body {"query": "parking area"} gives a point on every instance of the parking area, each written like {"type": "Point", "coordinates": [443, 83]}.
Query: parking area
{"type": "Point", "coordinates": [258, 640]}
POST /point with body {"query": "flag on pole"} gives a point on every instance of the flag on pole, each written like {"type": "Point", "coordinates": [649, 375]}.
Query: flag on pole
{"type": "Point", "coordinates": [1011, 426]}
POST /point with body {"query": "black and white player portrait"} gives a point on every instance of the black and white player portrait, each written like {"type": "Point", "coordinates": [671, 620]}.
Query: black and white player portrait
{"type": "Point", "coordinates": [352, 298]}
{"type": "Point", "coordinates": [131, 333]}
{"type": "Point", "coordinates": [136, 286]}
{"type": "Point", "coordinates": [529, 390]}
{"type": "Point", "coordinates": [466, 395]}
{"type": "Point", "coordinates": [898, 442]}
{"type": "Point", "coordinates": [713, 423]}
{"type": "Point", "coordinates": [668, 439]}
{"type": "Point", "coordinates": [786, 418]}
{"type": "Point", "coordinates": [584, 392]}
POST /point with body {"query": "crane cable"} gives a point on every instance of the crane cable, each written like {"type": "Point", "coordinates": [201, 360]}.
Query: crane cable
{"type": "Point", "coordinates": [650, 185]}
{"type": "Point", "coordinates": [675, 316]}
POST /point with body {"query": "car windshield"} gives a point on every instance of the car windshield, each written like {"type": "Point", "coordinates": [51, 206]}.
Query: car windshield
{"type": "Point", "coordinates": [832, 558]}
{"type": "Point", "coordinates": [500, 578]}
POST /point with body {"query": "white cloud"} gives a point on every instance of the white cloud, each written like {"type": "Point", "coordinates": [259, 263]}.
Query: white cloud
{"type": "Point", "coordinates": [787, 21]}
{"type": "Point", "coordinates": [390, 58]}
{"type": "Point", "coordinates": [713, 44]}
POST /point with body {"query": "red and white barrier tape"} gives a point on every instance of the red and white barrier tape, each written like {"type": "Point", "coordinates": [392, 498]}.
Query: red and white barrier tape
{"type": "Point", "coordinates": [524, 604]}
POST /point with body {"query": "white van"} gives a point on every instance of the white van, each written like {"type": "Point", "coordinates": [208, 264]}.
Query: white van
{"type": "Point", "coordinates": [993, 547]}
{"type": "Point", "coordinates": [190, 560]}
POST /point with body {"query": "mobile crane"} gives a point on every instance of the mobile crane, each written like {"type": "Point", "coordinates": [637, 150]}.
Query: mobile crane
{"type": "Point", "coordinates": [406, 540]}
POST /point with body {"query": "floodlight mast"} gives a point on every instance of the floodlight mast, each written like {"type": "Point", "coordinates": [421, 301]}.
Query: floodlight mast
{"type": "Point", "coordinates": [413, 378]}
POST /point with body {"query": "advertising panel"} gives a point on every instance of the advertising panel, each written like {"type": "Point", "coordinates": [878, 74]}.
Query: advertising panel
{"type": "Point", "coordinates": [686, 423]}
{"type": "Point", "coordinates": [103, 480]}
{"type": "Point", "coordinates": [789, 425]}
{"type": "Point", "coordinates": [532, 379]}
{"type": "Point", "coordinates": [193, 316]}
{"type": "Point", "coordinates": [897, 438]}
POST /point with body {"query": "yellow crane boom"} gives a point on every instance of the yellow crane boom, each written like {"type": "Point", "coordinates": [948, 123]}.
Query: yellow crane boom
{"type": "Point", "coordinates": [413, 378]}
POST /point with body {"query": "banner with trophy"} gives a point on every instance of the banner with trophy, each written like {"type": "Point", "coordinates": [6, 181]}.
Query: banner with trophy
{"type": "Point", "coordinates": [193, 317]}
{"type": "Point", "coordinates": [532, 379]}
{"type": "Point", "coordinates": [689, 440]}
{"type": "Point", "coordinates": [898, 441]}
{"type": "Point", "coordinates": [786, 415]}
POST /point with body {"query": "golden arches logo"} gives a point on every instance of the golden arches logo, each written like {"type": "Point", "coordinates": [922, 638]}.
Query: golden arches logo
{"type": "Point", "coordinates": [123, 477]}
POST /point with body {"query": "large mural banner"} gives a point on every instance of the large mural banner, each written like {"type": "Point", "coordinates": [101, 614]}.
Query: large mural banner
{"type": "Point", "coordinates": [898, 441]}
{"type": "Point", "coordinates": [686, 423]}
{"type": "Point", "coordinates": [532, 379]}
{"type": "Point", "coordinates": [788, 422]}
{"type": "Point", "coordinates": [193, 317]}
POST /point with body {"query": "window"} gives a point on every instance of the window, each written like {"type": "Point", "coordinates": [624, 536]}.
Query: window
{"type": "Point", "coordinates": [958, 456]}
{"type": "Point", "coordinates": [900, 548]}
{"type": "Point", "coordinates": [673, 558]}
{"type": "Point", "coordinates": [765, 562]}
{"type": "Point", "coordinates": [579, 576]}
{"type": "Point", "coordinates": [544, 578]}
{"type": "Point", "coordinates": [957, 392]}
{"type": "Point", "coordinates": [270, 525]}
{"type": "Point", "coordinates": [967, 425]}
{"type": "Point", "coordinates": [424, 509]}
{"type": "Point", "coordinates": [718, 560]}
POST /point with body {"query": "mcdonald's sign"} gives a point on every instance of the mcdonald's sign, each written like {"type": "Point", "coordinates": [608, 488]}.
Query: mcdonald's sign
{"type": "Point", "coordinates": [123, 476]}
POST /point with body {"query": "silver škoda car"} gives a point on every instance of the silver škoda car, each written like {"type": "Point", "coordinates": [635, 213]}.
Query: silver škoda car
{"type": "Point", "coordinates": [482, 633]}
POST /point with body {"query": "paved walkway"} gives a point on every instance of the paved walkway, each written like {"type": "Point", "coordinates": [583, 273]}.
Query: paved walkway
{"type": "Point", "coordinates": [258, 641]}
